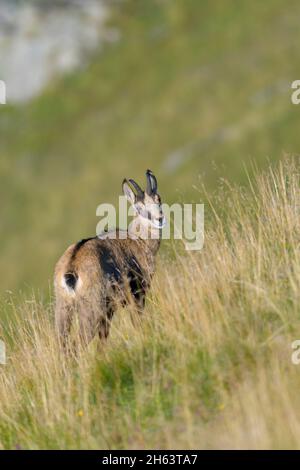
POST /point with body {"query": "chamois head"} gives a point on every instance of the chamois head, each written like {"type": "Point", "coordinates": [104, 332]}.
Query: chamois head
{"type": "Point", "coordinates": [147, 204]}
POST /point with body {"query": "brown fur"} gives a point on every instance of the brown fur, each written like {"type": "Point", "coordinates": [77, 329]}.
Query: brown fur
{"type": "Point", "coordinates": [96, 275]}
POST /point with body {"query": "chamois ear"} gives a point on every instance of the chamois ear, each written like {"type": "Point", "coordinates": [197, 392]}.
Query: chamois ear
{"type": "Point", "coordinates": [151, 183]}
{"type": "Point", "coordinates": [128, 193]}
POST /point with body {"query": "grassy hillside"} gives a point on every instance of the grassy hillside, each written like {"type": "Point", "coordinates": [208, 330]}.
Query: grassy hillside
{"type": "Point", "coordinates": [209, 366]}
{"type": "Point", "coordinates": [191, 88]}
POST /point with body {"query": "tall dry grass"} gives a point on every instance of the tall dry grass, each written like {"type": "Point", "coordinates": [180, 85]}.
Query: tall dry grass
{"type": "Point", "coordinates": [209, 367]}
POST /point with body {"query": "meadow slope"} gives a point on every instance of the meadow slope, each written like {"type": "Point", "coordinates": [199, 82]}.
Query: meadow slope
{"type": "Point", "coordinates": [209, 366]}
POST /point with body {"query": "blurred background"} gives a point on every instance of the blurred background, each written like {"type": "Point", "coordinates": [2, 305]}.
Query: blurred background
{"type": "Point", "coordinates": [100, 90]}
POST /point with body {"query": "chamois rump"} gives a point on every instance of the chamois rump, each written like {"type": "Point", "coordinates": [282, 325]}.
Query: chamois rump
{"type": "Point", "coordinates": [94, 276]}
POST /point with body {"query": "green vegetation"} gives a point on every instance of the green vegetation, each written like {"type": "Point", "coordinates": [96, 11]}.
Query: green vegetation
{"type": "Point", "coordinates": [192, 88]}
{"type": "Point", "coordinates": [208, 367]}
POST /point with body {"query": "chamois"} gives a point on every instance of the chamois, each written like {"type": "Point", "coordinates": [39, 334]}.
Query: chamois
{"type": "Point", "coordinates": [97, 274]}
